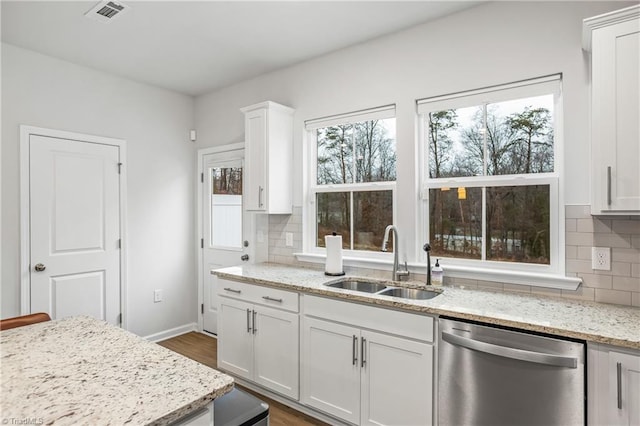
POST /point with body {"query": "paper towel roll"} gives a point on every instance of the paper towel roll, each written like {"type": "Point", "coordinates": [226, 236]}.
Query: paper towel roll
{"type": "Point", "coordinates": [333, 265]}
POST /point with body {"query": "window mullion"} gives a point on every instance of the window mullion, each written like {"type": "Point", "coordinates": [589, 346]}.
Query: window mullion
{"type": "Point", "coordinates": [351, 230]}
{"type": "Point", "coordinates": [483, 251]}
{"type": "Point", "coordinates": [353, 153]}
{"type": "Point", "coordinates": [485, 156]}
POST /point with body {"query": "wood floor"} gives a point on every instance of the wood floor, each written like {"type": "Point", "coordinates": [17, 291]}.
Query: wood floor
{"type": "Point", "coordinates": [203, 349]}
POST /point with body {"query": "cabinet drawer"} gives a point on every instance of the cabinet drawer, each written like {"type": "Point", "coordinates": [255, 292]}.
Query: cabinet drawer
{"type": "Point", "coordinates": [274, 297]}
{"type": "Point", "coordinates": [400, 323]}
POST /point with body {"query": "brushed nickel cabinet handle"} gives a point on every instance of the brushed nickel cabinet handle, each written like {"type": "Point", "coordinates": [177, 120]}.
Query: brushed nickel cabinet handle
{"type": "Point", "coordinates": [363, 352]}
{"type": "Point", "coordinates": [248, 321]}
{"type": "Point", "coordinates": [254, 322]}
{"type": "Point", "coordinates": [354, 351]}
{"type": "Point", "coordinates": [232, 290]}
{"type": "Point", "coordinates": [272, 299]}
{"type": "Point", "coordinates": [260, 190]}
{"type": "Point", "coordinates": [609, 186]}
{"type": "Point", "coordinates": [619, 377]}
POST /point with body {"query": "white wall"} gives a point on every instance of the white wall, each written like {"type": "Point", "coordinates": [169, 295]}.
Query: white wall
{"type": "Point", "coordinates": [490, 44]}
{"type": "Point", "coordinates": [42, 91]}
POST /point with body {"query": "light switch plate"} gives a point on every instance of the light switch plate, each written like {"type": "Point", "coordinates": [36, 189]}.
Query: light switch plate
{"type": "Point", "coordinates": [601, 258]}
{"type": "Point", "coordinates": [288, 239]}
{"type": "Point", "coordinates": [157, 296]}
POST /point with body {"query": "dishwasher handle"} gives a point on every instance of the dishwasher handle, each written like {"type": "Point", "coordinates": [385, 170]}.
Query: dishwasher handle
{"type": "Point", "coordinates": [506, 352]}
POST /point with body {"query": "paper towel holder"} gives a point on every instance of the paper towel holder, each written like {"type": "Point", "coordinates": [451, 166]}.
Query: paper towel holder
{"type": "Point", "coordinates": [334, 274]}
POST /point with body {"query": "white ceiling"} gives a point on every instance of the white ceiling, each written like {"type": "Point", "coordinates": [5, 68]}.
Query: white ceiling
{"type": "Point", "coordinates": [197, 47]}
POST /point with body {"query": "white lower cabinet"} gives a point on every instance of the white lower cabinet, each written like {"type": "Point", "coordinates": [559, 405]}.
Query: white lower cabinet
{"type": "Point", "coordinates": [260, 344]}
{"type": "Point", "coordinates": [331, 368]}
{"type": "Point", "coordinates": [614, 386]}
{"type": "Point", "coordinates": [363, 376]}
{"type": "Point", "coordinates": [396, 381]}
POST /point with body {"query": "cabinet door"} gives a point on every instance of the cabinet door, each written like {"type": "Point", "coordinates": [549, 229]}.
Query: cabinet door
{"type": "Point", "coordinates": [276, 350]}
{"type": "Point", "coordinates": [624, 389]}
{"type": "Point", "coordinates": [235, 338]}
{"type": "Point", "coordinates": [331, 368]}
{"type": "Point", "coordinates": [397, 381]}
{"type": "Point", "coordinates": [255, 185]}
{"type": "Point", "coordinates": [615, 112]}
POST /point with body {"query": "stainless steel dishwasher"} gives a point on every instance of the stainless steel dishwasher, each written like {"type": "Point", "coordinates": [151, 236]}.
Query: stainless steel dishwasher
{"type": "Point", "coordinates": [492, 376]}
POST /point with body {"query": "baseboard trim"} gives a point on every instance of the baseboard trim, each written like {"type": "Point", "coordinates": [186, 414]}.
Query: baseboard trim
{"type": "Point", "coordinates": [172, 332]}
{"type": "Point", "coordinates": [288, 402]}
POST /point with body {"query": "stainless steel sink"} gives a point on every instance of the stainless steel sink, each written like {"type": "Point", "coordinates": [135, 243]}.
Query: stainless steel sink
{"type": "Point", "coordinates": [409, 293]}
{"type": "Point", "coordinates": [358, 285]}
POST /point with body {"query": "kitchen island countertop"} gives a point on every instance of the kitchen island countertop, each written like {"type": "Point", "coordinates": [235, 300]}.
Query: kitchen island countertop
{"type": "Point", "coordinates": [79, 370]}
{"type": "Point", "coordinates": [595, 322]}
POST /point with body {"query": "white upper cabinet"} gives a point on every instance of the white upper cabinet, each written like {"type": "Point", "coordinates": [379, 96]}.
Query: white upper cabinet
{"type": "Point", "coordinates": [614, 42]}
{"type": "Point", "coordinates": [268, 158]}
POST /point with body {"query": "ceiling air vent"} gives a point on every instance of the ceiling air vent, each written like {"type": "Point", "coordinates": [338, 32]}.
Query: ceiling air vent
{"type": "Point", "coordinates": [107, 10]}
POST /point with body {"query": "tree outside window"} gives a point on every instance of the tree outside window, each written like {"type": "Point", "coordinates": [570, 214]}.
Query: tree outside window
{"type": "Point", "coordinates": [499, 218]}
{"type": "Point", "coordinates": [350, 157]}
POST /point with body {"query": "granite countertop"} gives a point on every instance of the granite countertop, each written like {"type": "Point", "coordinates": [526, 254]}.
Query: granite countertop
{"type": "Point", "coordinates": [79, 370]}
{"type": "Point", "coordinates": [590, 321]}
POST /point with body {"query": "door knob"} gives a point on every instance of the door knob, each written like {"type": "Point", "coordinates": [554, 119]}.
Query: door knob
{"type": "Point", "coordinates": [39, 267]}
{"type": "Point", "coordinates": [244, 257]}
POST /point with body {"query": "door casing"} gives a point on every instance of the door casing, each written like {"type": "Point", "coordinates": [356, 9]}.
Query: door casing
{"type": "Point", "coordinates": [25, 207]}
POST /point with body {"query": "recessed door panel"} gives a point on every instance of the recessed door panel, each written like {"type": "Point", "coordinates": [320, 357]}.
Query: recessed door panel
{"type": "Point", "coordinates": [79, 294]}
{"type": "Point", "coordinates": [78, 203]}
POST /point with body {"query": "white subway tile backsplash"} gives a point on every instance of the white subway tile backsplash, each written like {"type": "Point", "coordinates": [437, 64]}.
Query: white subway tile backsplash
{"type": "Point", "coordinates": [635, 270]}
{"type": "Point", "coordinates": [540, 291]}
{"type": "Point", "coordinates": [612, 240]}
{"type": "Point", "coordinates": [613, 296]}
{"type": "Point", "coordinates": [577, 212]}
{"type": "Point", "coordinates": [577, 265]}
{"type": "Point", "coordinates": [620, 285]}
{"type": "Point", "coordinates": [626, 227]}
{"type": "Point", "coordinates": [584, 253]}
{"type": "Point", "coordinates": [601, 225]}
{"type": "Point", "coordinates": [582, 293]}
{"type": "Point", "coordinates": [490, 285]}
{"type": "Point", "coordinates": [517, 288]}
{"type": "Point", "coordinates": [622, 269]}
{"type": "Point", "coordinates": [579, 238]}
{"type": "Point", "coordinates": [584, 225]}
{"type": "Point", "coordinates": [626, 284]}
{"type": "Point", "coordinates": [625, 255]}
{"type": "Point", "coordinates": [597, 281]}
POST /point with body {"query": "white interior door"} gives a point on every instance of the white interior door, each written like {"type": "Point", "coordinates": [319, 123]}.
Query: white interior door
{"type": "Point", "coordinates": [225, 225]}
{"type": "Point", "coordinates": [74, 220]}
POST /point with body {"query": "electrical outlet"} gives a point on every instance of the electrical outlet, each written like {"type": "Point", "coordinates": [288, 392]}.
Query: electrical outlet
{"type": "Point", "coordinates": [601, 258]}
{"type": "Point", "coordinates": [157, 296]}
{"type": "Point", "coordinates": [288, 239]}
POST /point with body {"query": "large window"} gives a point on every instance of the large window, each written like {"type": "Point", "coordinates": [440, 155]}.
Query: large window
{"type": "Point", "coordinates": [353, 172]}
{"type": "Point", "coordinates": [490, 179]}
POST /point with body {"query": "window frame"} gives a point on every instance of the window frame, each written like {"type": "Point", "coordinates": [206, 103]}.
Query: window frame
{"type": "Point", "coordinates": [511, 91]}
{"type": "Point", "coordinates": [208, 182]}
{"type": "Point", "coordinates": [313, 188]}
